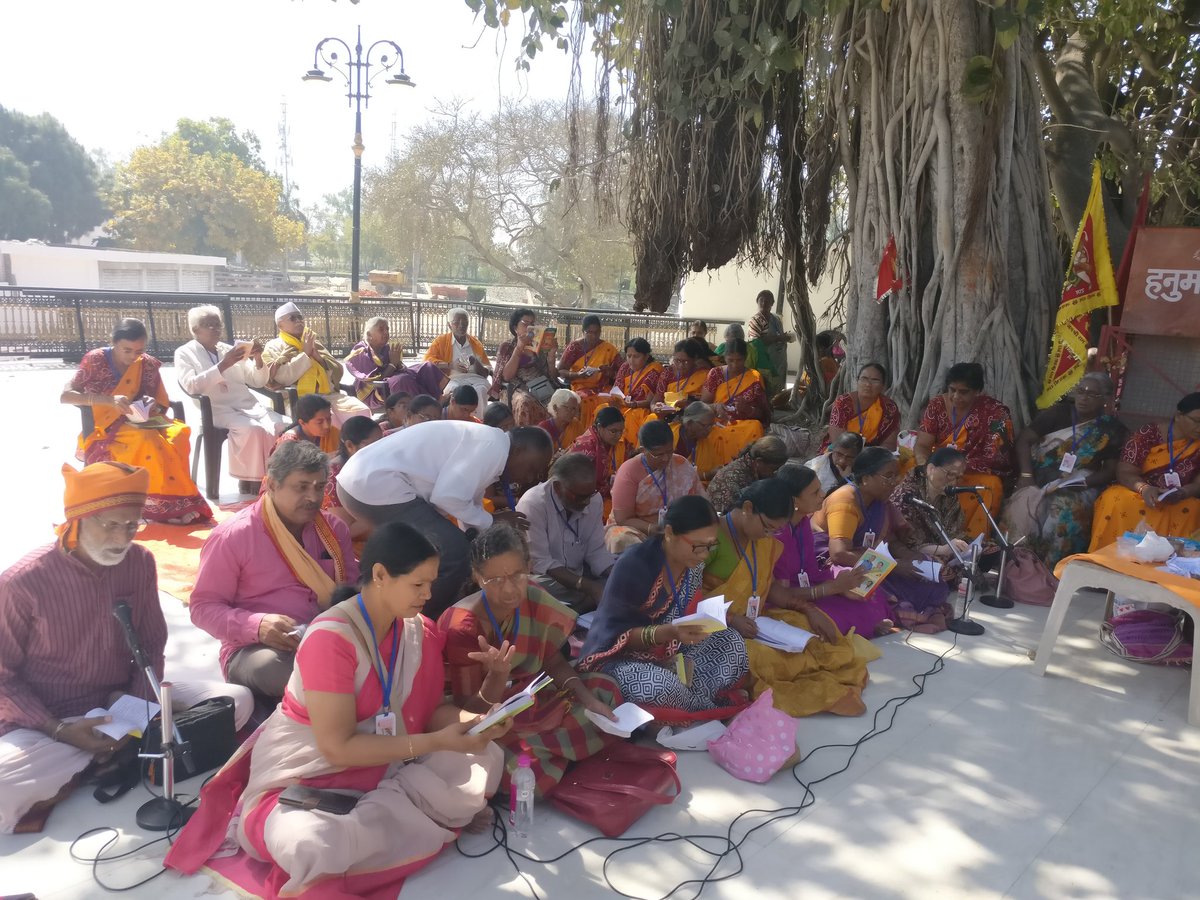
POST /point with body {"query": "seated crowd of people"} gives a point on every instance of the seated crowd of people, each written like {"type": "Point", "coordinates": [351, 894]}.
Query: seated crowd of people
{"type": "Point", "coordinates": [422, 547]}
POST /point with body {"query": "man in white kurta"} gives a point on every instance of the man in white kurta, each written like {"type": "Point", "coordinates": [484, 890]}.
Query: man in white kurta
{"type": "Point", "coordinates": [295, 352]}
{"type": "Point", "coordinates": [207, 366]}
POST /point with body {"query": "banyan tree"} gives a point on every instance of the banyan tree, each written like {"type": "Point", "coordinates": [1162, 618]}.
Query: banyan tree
{"type": "Point", "coordinates": [813, 131]}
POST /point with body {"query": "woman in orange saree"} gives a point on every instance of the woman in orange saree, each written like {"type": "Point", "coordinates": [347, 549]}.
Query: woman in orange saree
{"type": "Point", "coordinates": [589, 367]}
{"type": "Point", "coordinates": [111, 380]}
{"type": "Point", "coordinates": [681, 383]}
{"type": "Point", "coordinates": [637, 379]}
{"type": "Point", "coordinates": [866, 411]}
{"type": "Point", "coordinates": [1158, 481]}
{"type": "Point", "coordinates": [741, 393]}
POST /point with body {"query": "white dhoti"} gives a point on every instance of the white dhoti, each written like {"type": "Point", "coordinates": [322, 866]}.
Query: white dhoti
{"type": "Point", "coordinates": [34, 767]}
{"type": "Point", "coordinates": [252, 434]}
{"type": "Point", "coordinates": [346, 407]}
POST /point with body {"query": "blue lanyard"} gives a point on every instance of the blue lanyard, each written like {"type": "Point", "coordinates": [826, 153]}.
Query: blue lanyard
{"type": "Point", "coordinates": [862, 416]}
{"type": "Point", "coordinates": [500, 638]}
{"type": "Point", "coordinates": [688, 445]}
{"type": "Point", "coordinates": [562, 514]}
{"type": "Point", "coordinates": [662, 488]}
{"type": "Point", "coordinates": [737, 387]}
{"type": "Point", "coordinates": [676, 605]}
{"type": "Point", "coordinates": [384, 683]}
{"type": "Point", "coordinates": [507, 488]}
{"type": "Point", "coordinates": [1076, 441]}
{"type": "Point", "coordinates": [866, 515]}
{"type": "Point", "coordinates": [798, 540]}
{"type": "Point", "coordinates": [1171, 447]}
{"type": "Point", "coordinates": [957, 425]}
{"type": "Point", "coordinates": [752, 566]}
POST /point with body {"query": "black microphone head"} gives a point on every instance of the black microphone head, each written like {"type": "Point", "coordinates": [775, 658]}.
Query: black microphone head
{"type": "Point", "coordinates": [917, 501]}
{"type": "Point", "coordinates": [123, 613]}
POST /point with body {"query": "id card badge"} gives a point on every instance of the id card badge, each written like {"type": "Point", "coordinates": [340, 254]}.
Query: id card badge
{"type": "Point", "coordinates": [662, 516]}
{"type": "Point", "coordinates": [1067, 466]}
{"type": "Point", "coordinates": [1171, 479]}
{"type": "Point", "coordinates": [681, 668]}
{"type": "Point", "coordinates": [753, 607]}
{"type": "Point", "coordinates": [869, 540]}
{"type": "Point", "coordinates": [385, 724]}
{"type": "Point", "coordinates": [802, 580]}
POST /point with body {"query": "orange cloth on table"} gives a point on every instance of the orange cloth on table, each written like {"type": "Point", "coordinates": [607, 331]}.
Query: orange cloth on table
{"type": "Point", "coordinates": [1107, 556]}
{"type": "Point", "coordinates": [100, 486]}
{"type": "Point", "coordinates": [738, 434]}
{"type": "Point", "coordinates": [1119, 509]}
{"type": "Point", "coordinates": [637, 386]}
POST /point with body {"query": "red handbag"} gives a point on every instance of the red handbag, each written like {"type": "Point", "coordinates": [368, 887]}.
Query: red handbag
{"type": "Point", "coordinates": [616, 787]}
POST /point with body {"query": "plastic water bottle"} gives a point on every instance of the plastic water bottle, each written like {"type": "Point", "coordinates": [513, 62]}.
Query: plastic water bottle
{"type": "Point", "coordinates": [520, 813]}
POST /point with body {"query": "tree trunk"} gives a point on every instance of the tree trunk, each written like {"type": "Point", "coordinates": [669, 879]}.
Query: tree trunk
{"type": "Point", "coordinates": [963, 187]}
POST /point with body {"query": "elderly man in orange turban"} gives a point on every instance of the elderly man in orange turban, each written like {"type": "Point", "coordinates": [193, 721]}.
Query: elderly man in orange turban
{"type": "Point", "coordinates": [62, 653]}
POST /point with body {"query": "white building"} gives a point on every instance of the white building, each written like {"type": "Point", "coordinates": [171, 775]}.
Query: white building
{"type": "Point", "coordinates": [33, 264]}
{"type": "Point", "coordinates": [729, 292]}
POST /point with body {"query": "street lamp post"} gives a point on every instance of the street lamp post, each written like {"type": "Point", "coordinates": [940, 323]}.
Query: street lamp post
{"type": "Point", "coordinates": [357, 71]}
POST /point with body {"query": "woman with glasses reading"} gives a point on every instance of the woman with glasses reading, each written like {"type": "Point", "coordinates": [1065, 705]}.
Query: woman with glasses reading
{"type": "Point", "coordinates": [679, 673]}
{"type": "Point", "coordinates": [978, 425]}
{"type": "Point", "coordinates": [1158, 480]}
{"type": "Point", "coordinates": [858, 517]}
{"type": "Point", "coordinates": [501, 638]}
{"type": "Point", "coordinates": [645, 486]}
{"type": "Point", "coordinates": [866, 411]}
{"type": "Point", "coordinates": [824, 676]}
{"type": "Point", "coordinates": [1068, 454]}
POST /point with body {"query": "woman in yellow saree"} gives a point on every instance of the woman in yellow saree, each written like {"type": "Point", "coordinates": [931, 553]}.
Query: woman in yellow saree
{"type": "Point", "coordinates": [700, 440]}
{"type": "Point", "coordinates": [827, 675]}
{"type": "Point", "coordinates": [589, 367]}
{"type": "Point", "coordinates": [682, 382]}
{"type": "Point", "coordinates": [1150, 467]}
{"type": "Point", "coordinates": [741, 394]}
{"type": "Point", "coordinates": [637, 379]}
{"type": "Point", "coordinates": [111, 380]}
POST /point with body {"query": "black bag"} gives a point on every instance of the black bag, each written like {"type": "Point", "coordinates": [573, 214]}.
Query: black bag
{"type": "Point", "coordinates": [207, 728]}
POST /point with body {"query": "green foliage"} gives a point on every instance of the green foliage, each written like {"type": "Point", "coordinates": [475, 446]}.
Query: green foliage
{"type": "Point", "coordinates": [48, 186]}
{"type": "Point", "coordinates": [218, 136]}
{"type": "Point", "coordinates": [167, 197]}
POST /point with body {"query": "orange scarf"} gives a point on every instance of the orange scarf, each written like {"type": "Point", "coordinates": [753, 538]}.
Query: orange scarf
{"type": "Point", "coordinates": [306, 569]}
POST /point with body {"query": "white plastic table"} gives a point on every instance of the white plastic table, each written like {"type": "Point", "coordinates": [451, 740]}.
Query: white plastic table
{"type": "Point", "coordinates": [1083, 574]}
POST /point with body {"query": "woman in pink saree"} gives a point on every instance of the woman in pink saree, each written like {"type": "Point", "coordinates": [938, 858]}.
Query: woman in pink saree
{"type": "Point", "coordinates": [362, 715]}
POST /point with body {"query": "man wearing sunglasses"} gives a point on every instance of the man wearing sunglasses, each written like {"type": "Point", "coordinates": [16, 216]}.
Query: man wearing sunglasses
{"type": "Point", "coordinates": [566, 533]}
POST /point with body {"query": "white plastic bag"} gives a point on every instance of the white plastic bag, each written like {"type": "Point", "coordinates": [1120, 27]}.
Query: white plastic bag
{"type": "Point", "coordinates": [1153, 549]}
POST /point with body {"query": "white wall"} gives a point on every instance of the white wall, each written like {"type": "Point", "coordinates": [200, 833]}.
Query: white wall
{"type": "Point", "coordinates": [40, 265]}
{"type": "Point", "coordinates": [729, 292]}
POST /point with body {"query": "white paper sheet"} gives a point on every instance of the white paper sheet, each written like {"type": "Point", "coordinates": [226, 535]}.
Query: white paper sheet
{"type": "Point", "coordinates": [130, 715]}
{"type": "Point", "coordinates": [781, 635]}
{"type": "Point", "coordinates": [630, 717]}
{"type": "Point", "coordinates": [697, 737]}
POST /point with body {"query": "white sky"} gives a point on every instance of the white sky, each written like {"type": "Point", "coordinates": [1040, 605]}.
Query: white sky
{"type": "Point", "coordinates": [119, 74]}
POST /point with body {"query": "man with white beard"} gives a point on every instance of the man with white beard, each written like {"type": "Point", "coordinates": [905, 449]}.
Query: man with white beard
{"type": "Point", "coordinates": [62, 652]}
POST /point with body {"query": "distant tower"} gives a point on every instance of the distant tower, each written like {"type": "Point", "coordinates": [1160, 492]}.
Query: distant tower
{"type": "Point", "coordinates": [284, 160]}
{"type": "Point", "coordinates": [395, 139]}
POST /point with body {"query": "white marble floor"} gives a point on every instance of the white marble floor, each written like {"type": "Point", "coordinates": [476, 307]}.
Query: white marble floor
{"type": "Point", "coordinates": [991, 783]}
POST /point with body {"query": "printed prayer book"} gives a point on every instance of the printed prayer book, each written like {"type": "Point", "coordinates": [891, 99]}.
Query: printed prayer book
{"type": "Point", "coordinates": [709, 614]}
{"type": "Point", "coordinates": [513, 706]}
{"type": "Point", "coordinates": [129, 714]}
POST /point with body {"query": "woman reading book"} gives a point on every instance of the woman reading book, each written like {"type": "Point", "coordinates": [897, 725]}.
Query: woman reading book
{"type": "Point", "coordinates": [499, 639]}
{"type": "Point", "coordinates": [363, 714]}
{"type": "Point", "coordinates": [824, 676]}
{"type": "Point", "coordinates": [740, 394]}
{"type": "Point", "coordinates": [589, 366]}
{"type": "Point", "coordinates": [637, 379]}
{"type": "Point", "coordinates": [859, 517]}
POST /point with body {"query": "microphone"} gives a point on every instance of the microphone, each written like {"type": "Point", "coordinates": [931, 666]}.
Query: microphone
{"type": "Point", "coordinates": [921, 503]}
{"type": "Point", "coordinates": [951, 491]}
{"type": "Point", "coordinates": [124, 615]}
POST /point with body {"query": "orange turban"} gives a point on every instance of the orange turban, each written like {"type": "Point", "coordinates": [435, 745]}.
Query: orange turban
{"type": "Point", "coordinates": [98, 487]}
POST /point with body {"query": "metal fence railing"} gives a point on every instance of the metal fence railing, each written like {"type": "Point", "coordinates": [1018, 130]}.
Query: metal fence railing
{"type": "Point", "coordinates": [68, 323]}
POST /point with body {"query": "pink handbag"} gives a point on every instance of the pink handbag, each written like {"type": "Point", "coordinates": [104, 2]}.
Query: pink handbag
{"type": "Point", "coordinates": [1148, 636]}
{"type": "Point", "coordinates": [1027, 580]}
{"type": "Point", "coordinates": [759, 742]}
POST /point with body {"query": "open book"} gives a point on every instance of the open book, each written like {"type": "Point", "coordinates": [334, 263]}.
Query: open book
{"type": "Point", "coordinates": [513, 706]}
{"type": "Point", "coordinates": [781, 635]}
{"type": "Point", "coordinates": [545, 338]}
{"type": "Point", "coordinates": [875, 565]}
{"type": "Point", "coordinates": [129, 714]}
{"type": "Point", "coordinates": [616, 392]}
{"type": "Point", "coordinates": [140, 410]}
{"type": "Point", "coordinates": [630, 717]}
{"type": "Point", "coordinates": [709, 614]}
{"type": "Point", "coordinates": [1078, 480]}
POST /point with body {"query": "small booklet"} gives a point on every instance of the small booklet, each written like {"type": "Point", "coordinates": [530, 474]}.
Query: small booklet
{"type": "Point", "coordinates": [129, 714]}
{"type": "Point", "coordinates": [1168, 492]}
{"type": "Point", "coordinates": [875, 565]}
{"type": "Point", "coordinates": [630, 717]}
{"type": "Point", "coordinates": [545, 338]}
{"type": "Point", "coordinates": [513, 706]}
{"type": "Point", "coordinates": [1078, 480]}
{"type": "Point", "coordinates": [930, 568]}
{"type": "Point", "coordinates": [140, 410]}
{"type": "Point", "coordinates": [585, 620]}
{"type": "Point", "coordinates": [616, 392]}
{"type": "Point", "coordinates": [709, 614]}
{"type": "Point", "coordinates": [672, 397]}
{"type": "Point", "coordinates": [781, 635]}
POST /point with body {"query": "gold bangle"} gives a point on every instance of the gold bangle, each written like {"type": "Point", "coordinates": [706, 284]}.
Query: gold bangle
{"type": "Point", "coordinates": [486, 700]}
{"type": "Point", "coordinates": [569, 680]}
{"type": "Point", "coordinates": [59, 727]}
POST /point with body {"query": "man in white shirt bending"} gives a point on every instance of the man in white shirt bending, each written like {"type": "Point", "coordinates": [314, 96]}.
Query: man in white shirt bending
{"type": "Point", "coordinates": [207, 366]}
{"type": "Point", "coordinates": [420, 476]}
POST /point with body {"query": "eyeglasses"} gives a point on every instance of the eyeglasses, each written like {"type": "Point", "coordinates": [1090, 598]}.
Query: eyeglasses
{"type": "Point", "coordinates": [116, 527]}
{"type": "Point", "coordinates": [209, 324]}
{"type": "Point", "coordinates": [707, 547]}
{"type": "Point", "coordinates": [866, 379]}
{"type": "Point", "coordinates": [294, 317]}
{"type": "Point", "coordinates": [424, 417]}
{"type": "Point", "coordinates": [516, 579]}
{"type": "Point", "coordinates": [1084, 392]}
{"type": "Point", "coordinates": [889, 477]}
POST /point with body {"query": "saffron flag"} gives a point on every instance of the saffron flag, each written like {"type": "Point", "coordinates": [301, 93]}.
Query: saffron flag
{"type": "Point", "coordinates": [1089, 286]}
{"type": "Point", "coordinates": [890, 280]}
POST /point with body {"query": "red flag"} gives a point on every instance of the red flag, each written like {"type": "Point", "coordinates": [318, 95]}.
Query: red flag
{"type": "Point", "coordinates": [890, 280]}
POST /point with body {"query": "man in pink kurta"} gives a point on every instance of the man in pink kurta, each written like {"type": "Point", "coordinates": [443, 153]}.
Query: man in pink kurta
{"type": "Point", "coordinates": [249, 594]}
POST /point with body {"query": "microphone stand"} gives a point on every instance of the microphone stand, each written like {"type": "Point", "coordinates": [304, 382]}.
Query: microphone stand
{"type": "Point", "coordinates": [963, 624]}
{"type": "Point", "coordinates": [165, 812]}
{"type": "Point", "coordinates": [996, 599]}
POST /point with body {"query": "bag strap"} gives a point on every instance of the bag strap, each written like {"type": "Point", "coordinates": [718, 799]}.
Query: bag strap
{"type": "Point", "coordinates": [1108, 637]}
{"type": "Point", "coordinates": [641, 793]}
